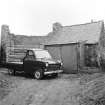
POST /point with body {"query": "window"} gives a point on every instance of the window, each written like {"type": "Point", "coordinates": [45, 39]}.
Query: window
{"type": "Point", "coordinates": [42, 54]}
{"type": "Point", "coordinates": [30, 53]}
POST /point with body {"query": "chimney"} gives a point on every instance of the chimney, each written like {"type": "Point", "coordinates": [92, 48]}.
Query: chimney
{"type": "Point", "coordinates": [57, 26]}
{"type": "Point", "coordinates": [92, 21]}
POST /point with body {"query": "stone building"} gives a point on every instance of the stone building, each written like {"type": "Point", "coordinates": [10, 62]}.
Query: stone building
{"type": "Point", "coordinates": [77, 46]}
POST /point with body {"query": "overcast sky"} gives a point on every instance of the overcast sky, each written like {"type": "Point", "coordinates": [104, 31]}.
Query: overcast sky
{"type": "Point", "coordinates": [35, 17]}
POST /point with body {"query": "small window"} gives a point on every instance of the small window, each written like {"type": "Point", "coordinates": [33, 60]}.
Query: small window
{"type": "Point", "coordinates": [30, 53]}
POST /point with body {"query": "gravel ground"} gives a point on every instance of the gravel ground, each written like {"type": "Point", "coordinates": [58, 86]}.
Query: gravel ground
{"type": "Point", "coordinates": [64, 90]}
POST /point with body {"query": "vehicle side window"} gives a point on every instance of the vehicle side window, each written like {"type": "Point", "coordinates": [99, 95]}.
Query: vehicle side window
{"type": "Point", "coordinates": [30, 55]}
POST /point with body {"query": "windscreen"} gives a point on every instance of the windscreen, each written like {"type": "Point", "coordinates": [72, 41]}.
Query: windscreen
{"type": "Point", "coordinates": [42, 54]}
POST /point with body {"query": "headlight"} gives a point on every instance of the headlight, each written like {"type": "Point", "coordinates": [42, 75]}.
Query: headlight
{"type": "Point", "coordinates": [59, 61]}
{"type": "Point", "coordinates": [47, 64]}
{"type": "Point", "coordinates": [61, 64]}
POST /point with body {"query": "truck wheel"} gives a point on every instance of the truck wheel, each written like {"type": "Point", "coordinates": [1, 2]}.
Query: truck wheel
{"type": "Point", "coordinates": [11, 72]}
{"type": "Point", "coordinates": [38, 74]}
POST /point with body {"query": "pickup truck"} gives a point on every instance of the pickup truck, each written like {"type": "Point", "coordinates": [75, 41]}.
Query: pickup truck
{"type": "Point", "coordinates": [37, 62]}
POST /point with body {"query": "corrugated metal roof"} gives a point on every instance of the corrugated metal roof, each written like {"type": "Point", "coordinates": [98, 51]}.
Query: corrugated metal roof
{"type": "Point", "coordinates": [75, 33]}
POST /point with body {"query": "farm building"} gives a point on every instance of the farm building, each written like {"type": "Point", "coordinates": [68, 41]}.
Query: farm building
{"type": "Point", "coordinates": [77, 45]}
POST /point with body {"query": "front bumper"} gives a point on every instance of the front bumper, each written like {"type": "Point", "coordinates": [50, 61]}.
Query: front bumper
{"type": "Point", "coordinates": [52, 72]}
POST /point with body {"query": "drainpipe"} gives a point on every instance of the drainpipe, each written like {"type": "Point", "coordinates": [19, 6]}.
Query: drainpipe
{"type": "Point", "coordinates": [61, 53]}
{"type": "Point", "coordinates": [78, 56]}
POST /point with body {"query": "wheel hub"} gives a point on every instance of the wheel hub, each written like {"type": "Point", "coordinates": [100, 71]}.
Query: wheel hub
{"type": "Point", "coordinates": [10, 71]}
{"type": "Point", "coordinates": [37, 74]}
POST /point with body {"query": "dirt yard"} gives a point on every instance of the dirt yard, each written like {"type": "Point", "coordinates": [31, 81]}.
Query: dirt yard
{"type": "Point", "coordinates": [72, 89]}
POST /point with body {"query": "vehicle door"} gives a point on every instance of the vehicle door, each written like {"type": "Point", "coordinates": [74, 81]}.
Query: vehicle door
{"type": "Point", "coordinates": [29, 61]}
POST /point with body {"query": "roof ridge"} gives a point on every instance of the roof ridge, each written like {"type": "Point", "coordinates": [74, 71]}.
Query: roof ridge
{"type": "Point", "coordinates": [84, 23]}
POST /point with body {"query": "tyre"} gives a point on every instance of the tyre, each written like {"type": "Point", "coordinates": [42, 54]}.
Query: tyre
{"type": "Point", "coordinates": [38, 74]}
{"type": "Point", "coordinates": [11, 72]}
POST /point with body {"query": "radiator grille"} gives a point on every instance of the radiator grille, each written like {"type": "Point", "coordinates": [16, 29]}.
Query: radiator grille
{"type": "Point", "coordinates": [53, 67]}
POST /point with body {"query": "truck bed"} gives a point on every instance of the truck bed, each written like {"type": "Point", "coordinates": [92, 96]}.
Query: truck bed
{"type": "Point", "coordinates": [13, 65]}
{"type": "Point", "coordinates": [20, 63]}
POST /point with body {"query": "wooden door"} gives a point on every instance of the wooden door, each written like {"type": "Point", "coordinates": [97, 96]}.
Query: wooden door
{"type": "Point", "coordinates": [69, 58]}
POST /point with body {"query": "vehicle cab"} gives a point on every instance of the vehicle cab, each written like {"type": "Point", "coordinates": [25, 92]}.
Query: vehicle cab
{"type": "Point", "coordinates": [39, 62]}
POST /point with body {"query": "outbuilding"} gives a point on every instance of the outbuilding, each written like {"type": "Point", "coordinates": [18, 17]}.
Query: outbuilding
{"type": "Point", "coordinates": [76, 46]}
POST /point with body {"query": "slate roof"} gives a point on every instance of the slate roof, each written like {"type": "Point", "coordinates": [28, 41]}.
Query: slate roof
{"type": "Point", "coordinates": [75, 33]}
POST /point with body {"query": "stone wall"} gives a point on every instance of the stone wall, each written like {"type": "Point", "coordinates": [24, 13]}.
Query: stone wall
{"type": "Point", "coordinates": [10, 40]}
{"type": "Point", "coordinates": [101, 47]}
{"type": "Point", "coordinates": [5, 42]}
